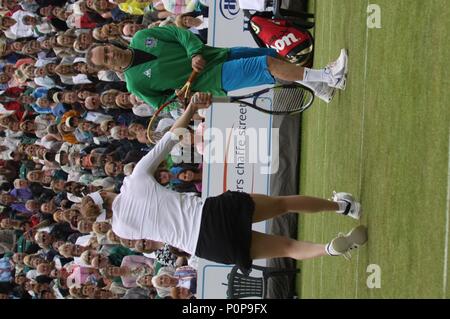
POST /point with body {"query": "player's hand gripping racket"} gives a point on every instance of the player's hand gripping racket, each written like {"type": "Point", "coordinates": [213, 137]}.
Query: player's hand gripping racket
{"type": "Point", "coordinates": [183, 95]}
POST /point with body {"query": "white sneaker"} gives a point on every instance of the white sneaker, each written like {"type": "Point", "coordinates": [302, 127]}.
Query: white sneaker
{"type": "Point", "coordinates": [321, 90]}
{"type": "Point", "coordinates": [324, 92]}
{"type": "Point", "coordinates": [337, 71]}
{"type": "Point", "coordinates": [343, 244]}
{"type": "Point", "coordinates": [353, 209]}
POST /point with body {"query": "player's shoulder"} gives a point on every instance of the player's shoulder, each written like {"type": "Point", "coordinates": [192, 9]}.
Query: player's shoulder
{"type": "Point", "coordinates": [151, 31]}
{"type": "Point", "coordinates": [136, 41]}
{"type": "Point", "coordinates": [130, 77]}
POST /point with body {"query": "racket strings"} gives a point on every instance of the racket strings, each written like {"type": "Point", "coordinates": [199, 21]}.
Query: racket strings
{"type": "Point", "coordinates": [290, 99]}
{"type": "Point", "coordinates": [153, 134]}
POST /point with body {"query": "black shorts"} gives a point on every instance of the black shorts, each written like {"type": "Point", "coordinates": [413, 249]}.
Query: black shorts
{"type": "Point", "coordinates": [226, 229]}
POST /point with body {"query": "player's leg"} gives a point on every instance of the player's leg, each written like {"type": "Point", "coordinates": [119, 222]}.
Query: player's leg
{"type": "Point", "coordinates": [321, 90]}
{"type": "Point", "coordinates": [246, 72]}
{"type": "Point", "coordinates": [272, 246]}
{"type": "Point", "coordinates": [245, 52]}
{"type": "Point", "coordinates": [267, 207]}
{"type": "Point", "coordinates": [265, 246]}
{"type": "Point", "coordinates": [334, 74]}
{"type": "Point", "coordinates": [247, 67]}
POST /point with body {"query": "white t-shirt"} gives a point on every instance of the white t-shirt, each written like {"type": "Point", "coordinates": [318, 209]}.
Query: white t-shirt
{"type": "Point", "coordinates": [143, 110]}
{"type": "Point", "coordinates": [97, 117]}
{"type": "Point", "coordinates": [32, 274]}
{"type": "Point", "coordinates": [19, 29]}
{"type": "Point", "coordinates": [83, 240]}
{"type": "Point", "coordinates": [144, 209]}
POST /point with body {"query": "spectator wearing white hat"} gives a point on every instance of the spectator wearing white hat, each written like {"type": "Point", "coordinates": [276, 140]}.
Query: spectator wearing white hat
{"type": "Point", "coordinates": [14, 27]}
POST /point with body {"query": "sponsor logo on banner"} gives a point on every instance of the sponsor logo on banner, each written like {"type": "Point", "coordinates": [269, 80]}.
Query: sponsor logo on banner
{"type": "Point", "coordinates": [229, 9]}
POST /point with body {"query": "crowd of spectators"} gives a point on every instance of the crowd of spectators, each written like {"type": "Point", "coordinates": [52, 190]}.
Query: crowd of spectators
{"type": "Point", "coordinates": [68, 130]}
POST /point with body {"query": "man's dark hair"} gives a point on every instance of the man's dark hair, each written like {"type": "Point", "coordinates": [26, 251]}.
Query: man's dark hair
{"type": "Point", "coordinates": [89, 54]}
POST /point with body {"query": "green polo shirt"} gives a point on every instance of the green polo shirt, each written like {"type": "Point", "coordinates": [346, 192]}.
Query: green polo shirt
{"type": "Point", "coordinates": [155, 81]}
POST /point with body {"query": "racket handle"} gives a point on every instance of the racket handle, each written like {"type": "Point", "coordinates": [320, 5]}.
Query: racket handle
{"type": "Point", "coordinates": [221, 99]}
{"type": "Point", "coordinates": [192, 77]}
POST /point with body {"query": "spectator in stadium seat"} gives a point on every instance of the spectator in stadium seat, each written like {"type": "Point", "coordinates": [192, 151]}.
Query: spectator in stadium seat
{"type": "Point", "coordinates": [28, 5]}
{"type": "Point", "coordinates": [22, 225]}
{"type": "Point", "coordinates": [14, 203]}
{"type": "Point", "coordinates": [14, 28]}
{"type": "Point", "coordinates": [114, 169]}
{"type": "Point", "coordinates": [33, 260]}
{"type": "Point", "coordinates": [10, 5]}
{"type": "Point", "coordinates": [6, 269]}
{"type": "Point", "coordinates": [41, 26]}
{"type": "Point", "coordinates": [181, 293]}
{"type": "Point", "coordinates": [43, 177]}
{"type": "Point", "coordinates": [132, 267]}
{"type": "Point", "coordinates": [180, 6]}
{"type": "Point", "coordinates": [168, 278]}
{"type": "Point", "coordinates": [195, 23]}
{"type": "Point", "coordinates": [44, 239]}
{"type": "Point", "coordinates": [84, 226]}
{"type": "Point", "coordinates": [83, 42]}
{"type": "Point", "coordinates": [107, 9]}
{"type": "Point", "coordinates": [134, 7]}
{"type": "Point", "coordinates": [45, 6]}
{"type": "Point", "coordinates": [105, 294]}
{"type": "Point", "coordinates": [61, 13]}
{"type": "Point", "coordinates": [186, 177]}
{"type": "Point", "coordinates": [139, 293]}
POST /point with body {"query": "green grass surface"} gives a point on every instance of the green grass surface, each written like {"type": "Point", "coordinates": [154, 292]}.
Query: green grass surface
{"type": "Point", "coordinates": [386, 140]}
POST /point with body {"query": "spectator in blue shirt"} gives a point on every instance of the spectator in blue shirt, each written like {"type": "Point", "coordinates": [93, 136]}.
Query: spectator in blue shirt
{"type": "Point", "coordinates": [5, 269]}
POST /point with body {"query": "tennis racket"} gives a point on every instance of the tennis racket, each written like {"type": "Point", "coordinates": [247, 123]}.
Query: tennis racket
{"type": "Point", "coordinates": [282, 99]}
{"type": "Point", "coordinates": [152, 134]}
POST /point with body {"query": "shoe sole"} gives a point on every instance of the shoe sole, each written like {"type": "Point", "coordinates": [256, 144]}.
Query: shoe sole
{"type": "Point", "coordinates": [358, 208]}
{"type": "Point", "coordinates": [357, 236]}
{"type": "Point", "coordinates": [349, 197]}
{"type": "Point", "coordinates": [330, 97]}
{"type": "Point", "coordinates": [346, 61]}
{"type": "Point", "coordinates": [341, 244]}
{"type": "Point", "coordinates": [342, 84]}
{"type": "Point", "coordinates": [343, 196]}
{"type": "Point", "coordinates": [333, 93]}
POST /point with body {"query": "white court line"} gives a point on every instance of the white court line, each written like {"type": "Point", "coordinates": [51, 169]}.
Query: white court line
{"type": "Point", "coordinates": [325, 152]}
{"type": "Point", "coordinates": [444, 289]}
{"type": "Point", "coordinates": [362, 142]}
{"type": "Point", "coordinates": [314, 231]}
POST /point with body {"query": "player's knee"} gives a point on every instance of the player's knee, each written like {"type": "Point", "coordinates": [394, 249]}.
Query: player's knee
{"type": "Point", "coordinates": [281, 204]}
{"type": "Point", "coordinates": [271, 62]}
{"type": "Point", "coordinates": [289, 247]}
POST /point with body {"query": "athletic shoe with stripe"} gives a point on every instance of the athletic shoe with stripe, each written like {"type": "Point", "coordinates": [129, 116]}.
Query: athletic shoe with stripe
{"type": "Point", "coordinates": [324, 92]}
{"type": "Point", "coordinates": [321, 90]}
{"type": "Point", "coordinates": [353, 209]}
{"type": "Point", "coordinates": [337, 71]}
{"type": "Point", "coordinates": [343, 244]}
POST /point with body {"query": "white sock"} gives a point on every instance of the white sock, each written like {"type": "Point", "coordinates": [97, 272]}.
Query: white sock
{"type": "Point", "coordinates": [312, 75]}
{"type": "Point", "coordinates": [315, 86]}
{"type": "Point", "coordinates": [330, 251]}
{"type": "Point", "coordinates": [320, 89]}
{"type": "Point", "coordinates": [342, 206]}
